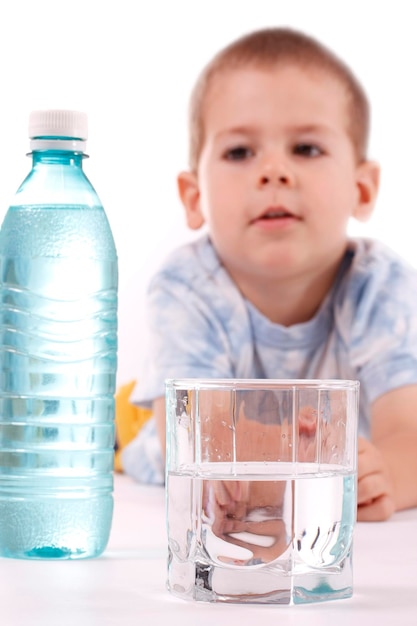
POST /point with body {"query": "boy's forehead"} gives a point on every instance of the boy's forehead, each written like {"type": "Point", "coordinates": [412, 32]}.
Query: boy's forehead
{"type": "Point", "coordinates": [297, 91]}
{"type": "Point", "coordinates": [283, 74]}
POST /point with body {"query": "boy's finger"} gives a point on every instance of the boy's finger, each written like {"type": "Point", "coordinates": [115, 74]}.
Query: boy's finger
{"type": "Point", "coordinates": [307, 421]}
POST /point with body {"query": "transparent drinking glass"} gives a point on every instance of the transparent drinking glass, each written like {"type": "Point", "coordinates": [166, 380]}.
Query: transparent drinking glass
{"type": "Point", "coordinates": [261, 489]}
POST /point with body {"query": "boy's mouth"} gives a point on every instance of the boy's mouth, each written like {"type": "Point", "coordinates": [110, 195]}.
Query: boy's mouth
{"type": "Point", "coordinates": [275, 213]}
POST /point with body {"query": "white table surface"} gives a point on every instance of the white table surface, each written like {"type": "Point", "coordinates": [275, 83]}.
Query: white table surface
{"type": "Point", "coordinates": [126, 585]}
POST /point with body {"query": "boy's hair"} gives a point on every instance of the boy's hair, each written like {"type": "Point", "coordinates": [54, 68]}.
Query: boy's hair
{"type": "Point", "coordinates": [266, 48]}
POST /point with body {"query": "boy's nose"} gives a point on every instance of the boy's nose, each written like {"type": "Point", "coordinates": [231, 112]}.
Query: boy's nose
{"type": "Point", "coordinates": [275, 174]}
{"type": "Point", "coordinates": [282, 179]}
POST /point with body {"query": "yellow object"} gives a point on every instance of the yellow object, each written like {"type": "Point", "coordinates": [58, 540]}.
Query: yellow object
{"type": "Point", "coordinates": [129, 420]}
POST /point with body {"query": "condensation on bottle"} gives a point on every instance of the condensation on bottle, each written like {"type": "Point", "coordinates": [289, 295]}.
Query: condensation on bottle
{"type": "Point", "coordinates": [58, 352]}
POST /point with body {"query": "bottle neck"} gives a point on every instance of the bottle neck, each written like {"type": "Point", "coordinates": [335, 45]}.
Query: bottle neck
{"type": "Point", "coordinates": [58, 143]}
{"type": "Point", "coordinates": [56, 178]}
{"type": "Point", "coordinates": [62, 150]}
{"type": "Point", "coordinates": [59, 157]}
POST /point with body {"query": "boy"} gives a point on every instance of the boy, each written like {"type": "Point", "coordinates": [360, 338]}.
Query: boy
{"type": "Point", "coordinates": [278, 135]}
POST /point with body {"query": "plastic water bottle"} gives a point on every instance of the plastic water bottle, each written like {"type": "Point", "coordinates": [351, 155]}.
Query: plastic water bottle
{"type": "Point", "coordinates": [58, 320]}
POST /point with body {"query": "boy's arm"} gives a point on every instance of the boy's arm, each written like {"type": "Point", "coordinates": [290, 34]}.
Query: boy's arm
{"type": "Point", "coordinates": [387, 466]}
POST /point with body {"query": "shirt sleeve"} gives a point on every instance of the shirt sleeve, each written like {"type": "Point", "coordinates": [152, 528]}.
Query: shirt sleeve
{"type": "Point", "coordinates": [384, 329]}
{"type": "Point", "coordinates": [187, 338]}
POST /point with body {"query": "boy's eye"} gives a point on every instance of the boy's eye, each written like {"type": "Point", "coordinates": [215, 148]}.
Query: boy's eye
{"type": "Point", "coordinates": [307, 150]}
{"type": "Point", "coordinates": [240, 153]}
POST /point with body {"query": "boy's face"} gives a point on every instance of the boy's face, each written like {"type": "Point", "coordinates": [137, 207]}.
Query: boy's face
{"type": "Point", "coordinates": [277, 179]}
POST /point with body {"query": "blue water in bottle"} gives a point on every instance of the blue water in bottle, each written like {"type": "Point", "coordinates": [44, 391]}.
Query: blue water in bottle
{"type": "Point", "coordinates": [58, 353]}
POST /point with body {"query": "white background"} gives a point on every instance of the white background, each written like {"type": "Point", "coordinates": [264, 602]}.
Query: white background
{"type": "Point", "coordinates": [130, 64]}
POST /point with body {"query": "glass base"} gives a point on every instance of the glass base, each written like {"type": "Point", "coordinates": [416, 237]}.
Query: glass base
{"type": "Point", "coordinates": [207, 582]}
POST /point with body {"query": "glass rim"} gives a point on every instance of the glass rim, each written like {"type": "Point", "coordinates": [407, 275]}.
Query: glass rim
{"type": "Point", "coordinates": [262, 383]}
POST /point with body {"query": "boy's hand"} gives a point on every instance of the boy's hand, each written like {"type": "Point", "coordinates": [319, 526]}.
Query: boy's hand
{"type": "Point", "coordinates": [375, 489]}
{"type": "Point", "coordinates": [249, 515]}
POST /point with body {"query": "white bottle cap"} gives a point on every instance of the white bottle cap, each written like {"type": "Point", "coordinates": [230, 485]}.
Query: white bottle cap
{"type": "Point", "coordinates": [58, 129]}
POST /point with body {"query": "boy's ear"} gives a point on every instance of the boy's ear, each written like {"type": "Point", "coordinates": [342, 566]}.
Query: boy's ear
{"type": "Point", "coordinates": [367, 182]}
{"type": "Point", "coordinates": [189, 192]}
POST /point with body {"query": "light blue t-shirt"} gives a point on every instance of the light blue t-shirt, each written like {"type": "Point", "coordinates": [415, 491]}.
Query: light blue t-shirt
{"type": "Point", "coordinates": [201, 326]}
